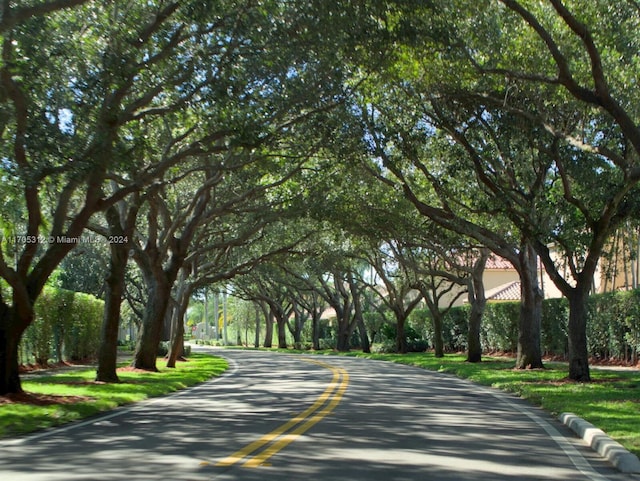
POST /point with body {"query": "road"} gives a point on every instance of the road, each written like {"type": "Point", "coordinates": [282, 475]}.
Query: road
{"type": "Point", "coordinates": [281, 417]}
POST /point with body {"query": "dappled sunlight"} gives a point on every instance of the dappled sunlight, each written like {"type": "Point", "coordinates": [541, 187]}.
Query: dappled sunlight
{"type": "Point", "coordinates": [392, 423]}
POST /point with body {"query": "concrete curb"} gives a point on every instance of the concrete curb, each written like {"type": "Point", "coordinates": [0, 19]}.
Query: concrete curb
{"type": "Point", "coordinates": [611, 450]}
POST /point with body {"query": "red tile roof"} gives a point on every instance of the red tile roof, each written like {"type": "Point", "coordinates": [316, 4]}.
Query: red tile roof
{"type": "Point", "coordinates": [506, 292]}
{"type": "Point", "coordinates": [495, 262]}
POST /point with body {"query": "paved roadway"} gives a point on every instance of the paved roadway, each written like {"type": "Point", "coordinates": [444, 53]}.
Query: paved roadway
{"type": "Point", "coordinates": [285, 418]}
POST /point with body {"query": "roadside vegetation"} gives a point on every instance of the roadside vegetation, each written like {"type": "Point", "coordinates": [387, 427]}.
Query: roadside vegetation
{"type": "Point", "coordinates": [52, 400]}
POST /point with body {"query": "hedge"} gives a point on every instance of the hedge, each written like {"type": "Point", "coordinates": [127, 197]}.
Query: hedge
{"type": "Point", "coordinates": [66, 327]}
{"type": "Point", "coordinates": [613, 326]}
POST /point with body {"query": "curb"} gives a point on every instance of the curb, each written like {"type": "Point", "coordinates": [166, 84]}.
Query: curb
{"type": "Point", "coordinates": [609, 449]}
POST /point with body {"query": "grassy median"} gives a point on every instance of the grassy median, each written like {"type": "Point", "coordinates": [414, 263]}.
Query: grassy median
{"type": "Point", "coordinates": [68, 396]}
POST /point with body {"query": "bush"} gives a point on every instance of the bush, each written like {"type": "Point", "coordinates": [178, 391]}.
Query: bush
{"type": "Point", "coordinates": [66, 326]}
{"type": "Point", "coordinates": [327, 343]}
{"type": "Point", "coordinates": [82, 336]}
{"type": "Point", "coordinates": [499, 330]}
{"type": "Point", "coordinates": [415, 342]}
{"type": "Point", "coordinates": [555, 318]}
{"type": "Point", "coordinates": [613, 325]}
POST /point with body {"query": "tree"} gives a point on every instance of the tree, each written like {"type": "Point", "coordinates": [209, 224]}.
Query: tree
{"type": "Point", "coordinates": [398, 291]}
{"type": "Point", "coordinates": [440, 281]}
{"type": "Point", "coordinates": [92, 74]}
{"type": "Point", "coordinates": [417, 161]}
{"type": "Point", "coordinates": [548, 88]}
{"type": "Point", "coordinates": [121, 222]}
{"type": "Point", "coordinates": [161, 255]}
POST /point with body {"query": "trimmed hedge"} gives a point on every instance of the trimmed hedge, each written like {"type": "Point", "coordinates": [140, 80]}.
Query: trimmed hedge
{"type": "Point", "coordinates": [66, 327]}
{"type": "Point", "coordinates": [613, 326]}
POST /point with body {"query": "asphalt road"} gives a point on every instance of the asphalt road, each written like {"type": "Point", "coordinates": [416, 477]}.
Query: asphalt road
{"type": "Point", "coordinates": [285, 418]}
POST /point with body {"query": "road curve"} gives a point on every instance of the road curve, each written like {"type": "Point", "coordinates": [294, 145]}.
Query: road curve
{"type": "Point", "coordinates": [282, 417]}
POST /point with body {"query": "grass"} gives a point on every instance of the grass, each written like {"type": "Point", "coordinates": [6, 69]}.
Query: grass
{"type": "Point", "coordinates": [72, 395]}
{"type": "Point", "coordinates": [611, 402]}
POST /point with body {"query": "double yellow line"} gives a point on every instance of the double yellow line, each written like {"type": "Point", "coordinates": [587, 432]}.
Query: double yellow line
{"type": "Point", "coordinates": [281, 437]}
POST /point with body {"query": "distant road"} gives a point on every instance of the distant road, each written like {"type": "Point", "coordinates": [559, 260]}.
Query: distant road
{"type": "Point", "coordinates": [281, 417]}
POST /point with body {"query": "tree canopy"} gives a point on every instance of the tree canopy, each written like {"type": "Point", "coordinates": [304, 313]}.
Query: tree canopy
{"type": "Point", "coordinates": [280, 144]}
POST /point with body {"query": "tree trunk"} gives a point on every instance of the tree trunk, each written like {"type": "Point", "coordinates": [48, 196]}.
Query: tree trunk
{"type": "Point", "coordinates": [176, 349]}
{"type": "Point", "coordinates": [364, 336]}
{"type": "Point", "coordinates": [298, 324]}
{"type": "Point", "coordinates": [315, 330]}
{"type": "Point", "coordinates": [108, 351]}
{"type": "Point", "coordinates": [268, 337]}
{"type": "Point", "coordinates": [359, 318]}
{"type": "Point", "coordinates": [282, 331]}
{"type": "Point", "coordinates": [177, 339]}
{"type": "Point", "coordinates": [11, 330]}
{"type": "Point", "coordinates": [578, 350]}
{"type": "Point", "coordinates": [474, 347]}
{"type": "Point", "coordinates": [438, 341]}
{"type": "Point", "coordinates": [343, 343]}
{"type": "Point", "coordinates": [152, 324]}
{"type": "Point", "coordinates": [256, 342]}
{"type": "Point", "coordinates": [225, 337]}
{"type": "Point", "coordinates": [478, 302]}
{"type": "Point", "coordinates": [529, 348]}
{"type": "Point", "coordinates": [401, 336]}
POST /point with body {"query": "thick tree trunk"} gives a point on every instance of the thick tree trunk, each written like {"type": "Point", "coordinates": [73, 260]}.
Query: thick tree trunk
{"type": "Point", "coordinates": [177, 340]}
{"type": "Point", "coordinates": [478, 302]}
{"type": "Point", "coordinates": [11, 330]}
{"type": "Point", "coordinates": [529, 348]}
{"type": "Point", "coordinates": [296, 329]}
{"type": "Point", "coordinates": [108, 351]}
{"type": "Point", "coordinates": [401, 336]}
{"type": "Point", "coordinates": [474, 347]}
{"type": "Point", "coordinates": [256, 342]}
{"type": "Point", "coordinates": [122, 228]}
{"type": "Point", "coordinates": [176, 346]}
{"type": "Point", "coordinates": [578, 350]}
{"type": "Point", "coordinates": [152, 324]}
{"type": "Point", "coordinates": [315, 331]}
{"type": "Point", "coordinates": [364, 336]}
{"type": "Point", "coordinates": [359, 318]}
{"type": "Point", "coordinates": [282, 332]}
{"type": "Point", "coordinates": [438, 341]}
{"type": "Point", "coordinates": [343, 343]}
{"type": "Point", "coordinates": [268, 336]}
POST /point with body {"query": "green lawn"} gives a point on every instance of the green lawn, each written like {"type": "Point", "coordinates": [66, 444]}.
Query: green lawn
{"type": "Point", "coordinates": [20, 418]}
{"type": "Point", "coordinates": [611, 402]}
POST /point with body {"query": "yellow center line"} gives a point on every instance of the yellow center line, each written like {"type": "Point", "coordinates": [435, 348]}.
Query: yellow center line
{"type": "Point", "coordinates": [287, 439]}
{"type": "Point", "coordinates": [300, 418]}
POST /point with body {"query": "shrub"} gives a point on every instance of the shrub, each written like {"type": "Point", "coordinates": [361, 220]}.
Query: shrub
{"type": "Point", "coordinates": [327, 343]}
{"type": "Point", "coordinates": [499, 331]}
{"type": "Point", "coordinates": [555, 317]}
{"type": "Point", "coordinates": [66, 326]}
